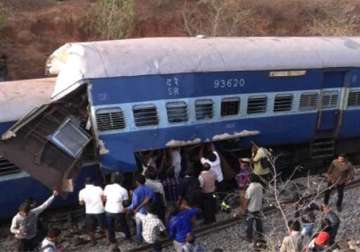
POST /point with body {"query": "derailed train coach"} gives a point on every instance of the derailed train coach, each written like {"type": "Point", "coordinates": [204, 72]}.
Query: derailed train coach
{"type": "Point", "coordinates": [18, 98]}
{"type": "Point", "coordinates": [116, 98]}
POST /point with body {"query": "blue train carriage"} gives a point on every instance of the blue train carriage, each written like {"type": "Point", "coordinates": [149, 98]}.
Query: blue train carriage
{"type": "Point", "coordinates": [299, 94]}
{"type": "Point", "coordinates": [17, 98]}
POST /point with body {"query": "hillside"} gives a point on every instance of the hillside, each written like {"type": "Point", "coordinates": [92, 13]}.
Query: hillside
{"type": "Point", "coordinates": [31, 30]}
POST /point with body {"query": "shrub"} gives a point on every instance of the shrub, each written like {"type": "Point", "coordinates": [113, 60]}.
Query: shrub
{"type": "Point", "coordinates": [3, 15]}
{"type": "Point", "coordinates": [112, 19]}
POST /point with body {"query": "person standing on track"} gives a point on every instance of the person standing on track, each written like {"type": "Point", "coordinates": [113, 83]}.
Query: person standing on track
{"type": "Point", "coordinates": [141, 197]}
{"type": "Point", "coordinates": [207, 181]}
{"type": "Point", "coordinates": [181, 224]}
{"type": "Point", "coordinates": [339, 174]}
{"type": "Point", "coordinates": [212, 158]}
{"type": "Point", "coordinates": [253, 205]}
{"type": "Point", "coordinates": [92, 197]}
{"type": "Point", "coordinates": [114, 196]}
{"type": "Point", "coordinates": [24, 224]}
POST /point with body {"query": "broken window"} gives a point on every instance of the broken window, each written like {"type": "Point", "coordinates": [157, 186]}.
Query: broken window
{"type": "Point", "coordinates": [70, 138]}
{"type": "Point", "coordinates": [49, 142]}
{"type": "Point", "coordinates": [230, 106]}
{"type": "Point", "coordinates": [329, 99]}
{"type": "Point", "coordinates": [204, 109]}
{"type": "Point", "coordinates": [176, 112]}
{"type": "Point", "coordinates": [354, 98]}
{"type": "Point", "coordinates": [308, 101]}
{"type": "Point", "coordinates": [256, 104]}
{"type": "Point", "coordinates": [145, 115]}
{"type": "Point", "coordinates": [283, 103]}
{"type": "Point", "coordinates": [110, 119]}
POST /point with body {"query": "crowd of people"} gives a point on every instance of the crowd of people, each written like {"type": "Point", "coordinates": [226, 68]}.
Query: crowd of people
{"type": "Point", "coordinates": [174, 190]}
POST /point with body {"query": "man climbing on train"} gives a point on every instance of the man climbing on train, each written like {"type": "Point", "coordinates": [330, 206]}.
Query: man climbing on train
{"type": "Point", "coordinates": [260, 163]}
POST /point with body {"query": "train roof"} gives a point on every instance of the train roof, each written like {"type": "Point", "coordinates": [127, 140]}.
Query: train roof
{"type": "Point", "coordinates": [20, 97]}
{"type": "Point", "coordinates": [74, 62]}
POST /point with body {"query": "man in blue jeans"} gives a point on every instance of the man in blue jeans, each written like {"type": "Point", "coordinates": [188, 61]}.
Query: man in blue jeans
{"type": "Point", "coordinates": [141, 196]}
{"type": "Point", "coordinates": [114, 196]}
{"type": "Point", "coordinates": [181, 224]}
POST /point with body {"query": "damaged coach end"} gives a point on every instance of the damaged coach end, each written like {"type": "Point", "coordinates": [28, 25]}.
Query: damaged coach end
{"type": "Point", "coordinates": [50, 142]}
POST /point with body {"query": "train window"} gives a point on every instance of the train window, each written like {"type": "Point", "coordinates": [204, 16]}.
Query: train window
{"type": "Point", "coordinates": [110, 119]}
{"type": "Point", "coordinates": [7, 168]}
{"type": "Point", "coordinates": [70, 138]}
{"type": "Point", "coordinates": [283, 103]}
{"type": "Point", "coordinates": [177, 112]}
{"type": "Point", "coordinates": [329, 99]}
{"type": "Point", "coordinates": [256, 104]}
{"type": "Point", "coordinates": [204, 109]}
{"type": "Point", "coordinates": [354, 98]}
{"type": "Point", "coordinates": [308, 101]}
{"type": "Point", "coordinates": [145, 115]}
{"type": "Point", "coordinates": [230, 106]}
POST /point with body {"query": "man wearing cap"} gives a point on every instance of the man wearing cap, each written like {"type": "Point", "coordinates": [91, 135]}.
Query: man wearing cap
{"type": "Point", "coordinates": [319, 243]}
{"type": "Point", "coordinates": [333, 222]}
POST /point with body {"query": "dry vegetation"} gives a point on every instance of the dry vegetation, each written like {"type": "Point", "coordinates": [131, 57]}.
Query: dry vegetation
{"type": "Point", "coordinates": [31, 30]}
{"type": "Point", "coordinates": [111, 19]}
{"type": "Point", "coordinates": [274, 18]}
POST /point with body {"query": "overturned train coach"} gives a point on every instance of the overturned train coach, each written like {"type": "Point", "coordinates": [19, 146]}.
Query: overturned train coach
{"type": "Point", "coordinates": [115, 98]}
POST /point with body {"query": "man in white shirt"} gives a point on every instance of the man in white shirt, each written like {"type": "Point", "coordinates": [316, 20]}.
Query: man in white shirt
{"type": "Point", "coordinates": [213, 159]}
{"type": "Point", "coordinates": [253, 204]}
{"type": "Point", "coordinates": [92, 197]}
{"type": "Point", "coordinates": [114, 196]}
{"type": "Point", "coordinates": [24, 223]}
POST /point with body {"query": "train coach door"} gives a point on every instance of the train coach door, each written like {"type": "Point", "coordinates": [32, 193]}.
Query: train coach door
{"type": "Point", "coordinates": [330, 95]}
{"type": "Point", "coordinates": [328, 112]}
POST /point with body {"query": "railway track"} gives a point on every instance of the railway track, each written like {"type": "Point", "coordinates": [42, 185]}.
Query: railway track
{"type": "Point", "coordinates": [221, 225]}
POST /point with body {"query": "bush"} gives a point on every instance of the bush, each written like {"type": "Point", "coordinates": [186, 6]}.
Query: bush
{"type": "Point", "coordinates": [3, 15]}
{"type": "Point", "coordinates": [112, 19]}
